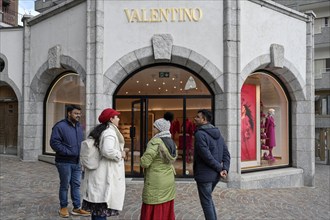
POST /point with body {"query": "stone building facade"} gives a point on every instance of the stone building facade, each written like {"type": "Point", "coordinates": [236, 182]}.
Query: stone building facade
{"type": "Point", "coordinates": [231, 55]}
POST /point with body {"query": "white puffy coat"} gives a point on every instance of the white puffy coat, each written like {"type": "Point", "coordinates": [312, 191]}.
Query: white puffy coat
{"type": "Point", "coordinates": [107, 182]}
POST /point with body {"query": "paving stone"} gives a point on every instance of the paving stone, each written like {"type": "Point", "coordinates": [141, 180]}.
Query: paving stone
{"type": "Point", "coordinates": [29, 191]}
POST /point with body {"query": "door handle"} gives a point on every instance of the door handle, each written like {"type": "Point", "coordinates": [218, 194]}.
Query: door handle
{"type": "Point", "coordinates": [132, 132]}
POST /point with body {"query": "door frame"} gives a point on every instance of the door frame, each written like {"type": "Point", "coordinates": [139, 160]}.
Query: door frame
{"type": "Point", "coordinates": [144, 101]}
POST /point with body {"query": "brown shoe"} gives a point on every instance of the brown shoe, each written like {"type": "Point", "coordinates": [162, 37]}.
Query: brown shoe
{"type": "Point", "coordinates": [64, 212]}
{"type": "Point", "coordinates": [80, 212]}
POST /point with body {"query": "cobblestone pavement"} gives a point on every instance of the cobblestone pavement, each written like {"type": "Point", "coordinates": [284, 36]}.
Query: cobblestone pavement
{"type": "Point", "coordinates": [29, 190]}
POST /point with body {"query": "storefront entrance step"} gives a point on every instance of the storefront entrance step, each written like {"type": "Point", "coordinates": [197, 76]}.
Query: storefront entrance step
{"type": "Point", "coordinates": [47, 158]}
{"type": "Point", "coordinates": [279, 178]}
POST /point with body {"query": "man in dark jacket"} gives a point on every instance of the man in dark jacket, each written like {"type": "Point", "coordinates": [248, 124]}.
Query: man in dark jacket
{"type": "Point", "coordinates": [65, 140]}
{"type": "Point", "coordinates": [211, 160]}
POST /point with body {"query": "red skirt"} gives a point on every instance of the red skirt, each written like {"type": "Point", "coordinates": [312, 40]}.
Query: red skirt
{"type": "Point", "coordinates": [163, 211]}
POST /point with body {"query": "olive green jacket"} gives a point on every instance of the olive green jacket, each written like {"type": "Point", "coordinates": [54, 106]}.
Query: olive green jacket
{"type": "Point", "coordinates": [159, 173]}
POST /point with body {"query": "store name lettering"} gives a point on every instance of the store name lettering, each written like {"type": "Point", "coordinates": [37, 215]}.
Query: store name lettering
{"type": "Point", "coordinates": [164, 15]}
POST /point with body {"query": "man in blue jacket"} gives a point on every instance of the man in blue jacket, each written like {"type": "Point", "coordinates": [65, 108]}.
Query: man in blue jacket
{"type": "Point", "coordinates": [65, 140]}
{"type": "Point", "coordinates": [211, 160]}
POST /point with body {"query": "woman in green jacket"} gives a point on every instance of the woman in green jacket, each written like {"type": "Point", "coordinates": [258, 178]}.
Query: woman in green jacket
{"type": "Point", "coordinates": [159, 174]}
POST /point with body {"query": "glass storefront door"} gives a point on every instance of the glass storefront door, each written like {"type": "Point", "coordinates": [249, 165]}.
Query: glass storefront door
{"type": "Point", "coordinates": [137, 136]}
{"type": "Point", "coordinates": [145, 97]}
{"type": "Point", "coordinates": [136, 124]}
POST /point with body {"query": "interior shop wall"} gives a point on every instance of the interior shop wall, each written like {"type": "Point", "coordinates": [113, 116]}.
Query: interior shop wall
{"type": "Point", "coordinates": [202, 36]}
{"type": "Point", "coordinates": [261, 27]}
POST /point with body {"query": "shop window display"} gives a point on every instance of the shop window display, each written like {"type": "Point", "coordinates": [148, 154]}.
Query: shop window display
{"type": "Point", "coordinates": [67, 89]}
{"type": "Point", "coordinates": [264, 123]}
{"type": "Point", "coordinates": [154, 91]}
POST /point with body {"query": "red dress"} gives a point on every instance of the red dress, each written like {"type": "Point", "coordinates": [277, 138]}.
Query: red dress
{"type": "Point", "coordinates": [270, 131]}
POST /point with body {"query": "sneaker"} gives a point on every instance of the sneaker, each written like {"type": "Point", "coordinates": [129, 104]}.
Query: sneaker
{"type": "Point", "coordinates": [64, 212]}
{"type": "Point", "coordinates": [80, 212]}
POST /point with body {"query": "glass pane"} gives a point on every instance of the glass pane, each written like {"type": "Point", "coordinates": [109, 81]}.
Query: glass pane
{"type": "Point", "coordinates": [157, 108]}
{"type": "Point", "coordinates": [69, 89]}
{"type": "Point", "coordinates": [163, 80]}
{"type": "Point", "coordinates": [264, 123]}
{"type": "Point", "coordinates": [193, 105]}
{"type": "Point", "coordinates": [129, 126]}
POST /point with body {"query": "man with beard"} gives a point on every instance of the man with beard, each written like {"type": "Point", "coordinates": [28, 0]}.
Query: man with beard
{"type": "Point", "coordinates": [211, 160]}
{"type": "Point", "coordinates": [65, 140]}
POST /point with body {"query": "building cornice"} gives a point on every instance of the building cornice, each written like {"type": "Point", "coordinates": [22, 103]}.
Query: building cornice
{"type": "Point", "coordinates": [54, 11]}
{"type": "Point", "coordinates": [282, 9]}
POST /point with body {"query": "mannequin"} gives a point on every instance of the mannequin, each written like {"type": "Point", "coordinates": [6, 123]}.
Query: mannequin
{"type": "Point", "coordinates": [270, 133]}
{"type": "Point", "coordinates": [247, 133]}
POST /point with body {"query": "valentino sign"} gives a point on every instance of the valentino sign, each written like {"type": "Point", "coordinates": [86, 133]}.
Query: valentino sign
{"type": "Point", "coordinates": [164, 15]}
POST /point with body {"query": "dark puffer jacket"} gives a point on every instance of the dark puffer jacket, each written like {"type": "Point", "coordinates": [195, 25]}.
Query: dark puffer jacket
{"type": "Point", "coordinates": [211, 154]}
{"type": "Point", "coordinates": [65, 141]}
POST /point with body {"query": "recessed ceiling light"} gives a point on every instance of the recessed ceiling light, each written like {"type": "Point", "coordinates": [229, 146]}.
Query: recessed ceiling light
{"type": "Point", "coordinates": [147, 84]}
{"type": "Point", "coordinates": [159, 88]}
{"type": "Point", "coordinates": [163, 83]}
{"type": "Point", "coordinates": [126, 92]}
{"type": "Point", "coordinates": [174, 87]}
{"type": "Point", "coordinates": [137, 81]}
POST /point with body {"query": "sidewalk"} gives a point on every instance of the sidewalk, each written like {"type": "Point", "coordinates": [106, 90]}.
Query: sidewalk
{"type": "Point", "coordinates": [29, 190]}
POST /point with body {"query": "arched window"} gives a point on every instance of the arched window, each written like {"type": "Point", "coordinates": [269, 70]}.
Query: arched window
{"type": "Point", "coordinates": [67, 89]}
{"type": "Point", "coordinates": [264, 123]}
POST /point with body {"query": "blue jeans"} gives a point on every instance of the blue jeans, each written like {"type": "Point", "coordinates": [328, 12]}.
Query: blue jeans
{"type": "Point", "coordinates": [70, 175]}
{"type": "Point", "coordinates": [205, 196]}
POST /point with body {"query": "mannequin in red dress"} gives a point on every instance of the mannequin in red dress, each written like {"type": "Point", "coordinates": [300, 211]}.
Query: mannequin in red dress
{"type": "Point", "coordinates": [270, 133]}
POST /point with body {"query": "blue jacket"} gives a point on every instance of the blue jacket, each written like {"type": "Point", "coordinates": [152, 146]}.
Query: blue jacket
{"type": "Point", "coordinates": [65, 141]}
{"type": "Point", "coordinates": [211, 154]}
